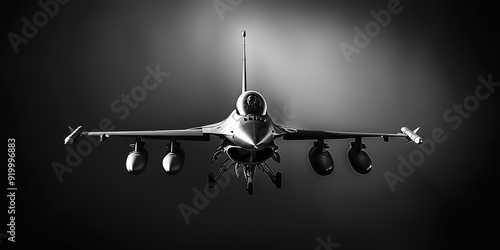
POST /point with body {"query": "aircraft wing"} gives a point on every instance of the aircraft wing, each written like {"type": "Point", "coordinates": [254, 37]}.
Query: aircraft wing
{"type": "Point", "coordinates": [303, 134]}
{"type": "Point", "coordinates": [193, 134]}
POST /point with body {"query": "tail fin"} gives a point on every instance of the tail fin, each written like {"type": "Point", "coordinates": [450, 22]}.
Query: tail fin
{"type": "Point", "coordinates": [244, 63]}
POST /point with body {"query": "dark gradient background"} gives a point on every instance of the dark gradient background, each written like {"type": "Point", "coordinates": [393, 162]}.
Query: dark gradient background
{"type": "Point", "coordinates": [91, 52]}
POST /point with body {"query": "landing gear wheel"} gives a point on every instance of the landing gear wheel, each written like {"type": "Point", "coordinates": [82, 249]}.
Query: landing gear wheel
{"type": "Point", "coordinates": [278, 180]}
{"type": "Point", "coordinates": [211, 180]}
{"type": "Point", "coordinates": [250, 188]}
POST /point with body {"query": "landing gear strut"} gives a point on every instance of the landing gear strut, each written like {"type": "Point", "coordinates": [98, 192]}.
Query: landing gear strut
{"type": "Point", "coordinates": [248, 170]}
{"type": "Point", "coordinates": [250, 188]}
{"type": "Point", "coordinates": [276, 179]}
{"type": "Point", "coordinates": [214, 177]}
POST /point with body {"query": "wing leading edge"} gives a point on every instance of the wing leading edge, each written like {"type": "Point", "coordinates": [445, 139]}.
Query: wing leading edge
{"type": "Point", "coordinates": [304, 134]}
{"type": "Point", "coordinates": [194, 134]}
{"type": "Point", "coordinates": [184, 134]}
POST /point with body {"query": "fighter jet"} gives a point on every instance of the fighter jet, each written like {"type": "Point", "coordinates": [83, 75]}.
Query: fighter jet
{"type": "Point", "coordinates": [248, 137]}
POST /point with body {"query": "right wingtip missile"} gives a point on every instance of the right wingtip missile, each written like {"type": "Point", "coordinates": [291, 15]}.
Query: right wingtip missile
{"type": "Point", "coordinates": [412, 135]}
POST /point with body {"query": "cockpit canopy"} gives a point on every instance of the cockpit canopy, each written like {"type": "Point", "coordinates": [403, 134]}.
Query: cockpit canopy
{"type": "Point", "coordinates": [251, 103]}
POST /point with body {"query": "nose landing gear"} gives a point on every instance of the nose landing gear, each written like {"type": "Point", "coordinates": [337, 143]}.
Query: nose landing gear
{"type": "Point", "coordinates": [248, 172]}
{"type": "Point", "coordinates": [248, 169]}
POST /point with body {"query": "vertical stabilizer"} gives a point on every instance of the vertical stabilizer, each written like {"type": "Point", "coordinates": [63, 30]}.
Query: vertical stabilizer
{"type": "Point", "coordinates": [244, 63]}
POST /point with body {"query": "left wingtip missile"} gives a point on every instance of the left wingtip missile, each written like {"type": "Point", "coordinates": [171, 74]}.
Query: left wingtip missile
{"type": "Point", "coordinates": [74, 134]}
{"type": "Point", "coordinates": [412, 135]}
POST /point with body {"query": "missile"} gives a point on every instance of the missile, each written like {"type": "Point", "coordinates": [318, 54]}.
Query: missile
{"type": "Point", "coordinates": [243, 33]}
{"type": "Point", "coordinates": [412, 135]}
{"type": "Point", "coordinates": [74, 134]}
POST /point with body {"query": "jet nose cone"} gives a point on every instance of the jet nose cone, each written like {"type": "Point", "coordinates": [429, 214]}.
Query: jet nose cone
{"type": "Point", "coordinates": [253, 135]}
